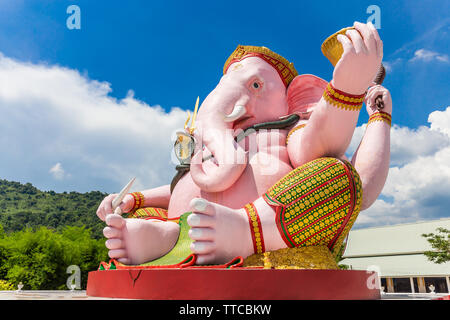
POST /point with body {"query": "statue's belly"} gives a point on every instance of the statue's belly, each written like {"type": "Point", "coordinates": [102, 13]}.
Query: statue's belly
{"type": "Point", "coordinates": [252, 184]}
{"type": "Point", "coordinates": [261, 173]}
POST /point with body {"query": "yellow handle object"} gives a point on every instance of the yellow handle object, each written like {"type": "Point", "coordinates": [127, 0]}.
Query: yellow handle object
{"type": "Point", "coordinates": [332, 48]}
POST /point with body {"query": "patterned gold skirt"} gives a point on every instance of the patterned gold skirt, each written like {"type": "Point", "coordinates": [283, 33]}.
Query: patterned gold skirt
{"type": "Point", "coordinates": [316, 204]}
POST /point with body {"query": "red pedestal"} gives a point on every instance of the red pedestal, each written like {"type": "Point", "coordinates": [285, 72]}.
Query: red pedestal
{"type": "Point", "coordinates": [233, 284]}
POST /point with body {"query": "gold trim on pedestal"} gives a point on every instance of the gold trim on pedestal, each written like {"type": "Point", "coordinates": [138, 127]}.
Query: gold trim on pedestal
{"type": "Point", "coordinates": [313, 257]}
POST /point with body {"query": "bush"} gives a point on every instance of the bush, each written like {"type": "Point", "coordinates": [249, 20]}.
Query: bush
{"type": "Point", "coordinates": [6, 286]}
{"type": "Point", "coordinates": [39, 258]}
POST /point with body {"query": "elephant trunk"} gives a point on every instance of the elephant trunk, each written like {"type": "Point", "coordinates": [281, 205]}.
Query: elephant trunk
{"type": "Point", "coordinates": [229, 159]}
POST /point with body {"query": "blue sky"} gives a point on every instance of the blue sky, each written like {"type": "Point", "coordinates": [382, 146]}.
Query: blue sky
{"type": "Point", "coordinates": [168, 52]}
{"type": "Point", "coordinates": [88, 109]}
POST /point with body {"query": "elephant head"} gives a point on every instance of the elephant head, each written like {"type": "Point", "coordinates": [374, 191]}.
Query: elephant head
{"type": "Point", "coordinates": [257, 86]}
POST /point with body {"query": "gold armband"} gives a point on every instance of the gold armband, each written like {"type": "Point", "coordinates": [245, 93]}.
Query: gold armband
{"type": "Point", "coordinates": [380, 116]}
{"type": "Point", "coordinates": [342, 99]}
{"type": "Point", "coordinates": [138, 200]}
{"type": "Point", "coordinates": [293, 130]}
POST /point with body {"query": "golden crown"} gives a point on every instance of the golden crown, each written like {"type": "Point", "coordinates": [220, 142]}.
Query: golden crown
{"type": "Point", "coordinates": [284, 68]}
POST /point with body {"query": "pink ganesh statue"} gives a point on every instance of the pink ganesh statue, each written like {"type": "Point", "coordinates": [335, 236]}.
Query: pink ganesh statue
{"type": "Point", "coordinates": [267, 168]}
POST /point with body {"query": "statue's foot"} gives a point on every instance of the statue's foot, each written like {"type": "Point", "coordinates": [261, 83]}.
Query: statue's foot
{"type": "Point", "coordinates": [136, 241]}
{"type": "Point", "coordinates": [219, 233]}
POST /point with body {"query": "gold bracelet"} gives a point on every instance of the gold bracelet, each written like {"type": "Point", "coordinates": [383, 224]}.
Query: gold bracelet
{"type": "Point", "coordinates": [293, 130]}
{"type": "Point", "coordinates": [380, 116]}
{"type": "Point", "coordinates": [255, 228]}
{"type": "Point", "coordinates": [138, 200]}
{"type": "Point", "coordinates": [342, 99]}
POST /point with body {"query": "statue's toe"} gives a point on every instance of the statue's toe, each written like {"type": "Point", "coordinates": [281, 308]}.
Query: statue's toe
{"type": "Point", "coordinates": [115, 221]}
{"type": "Point", "coordinates": [124, 260]}
{"type": "Point", "coordinates": [109, 232]}
{"type": "Point", "coordinates": [202, 234]}
{"type": "Point", "coordinates": [117, 253]}
{"type": "Point", "coordinates": [206, 258]}
{"type": "Point", "coordinates": [203, 247]}
{"type": "Point", "coordinates": [114, 244]}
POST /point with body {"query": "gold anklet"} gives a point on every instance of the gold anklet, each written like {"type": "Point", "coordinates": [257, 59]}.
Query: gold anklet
{"type": "Point", "coordinates": [255, 228]}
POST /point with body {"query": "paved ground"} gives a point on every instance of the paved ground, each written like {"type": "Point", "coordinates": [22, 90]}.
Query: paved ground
{"type": "Point", "coordinates": [81, 295]}
{"type": "Point", "coordinates": [46, 295]}
{"type": "Point", "coordinates": [412, 296]}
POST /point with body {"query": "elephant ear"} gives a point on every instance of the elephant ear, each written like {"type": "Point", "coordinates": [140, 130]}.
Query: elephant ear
{"type": "Point", "coordinates": [304, 92]}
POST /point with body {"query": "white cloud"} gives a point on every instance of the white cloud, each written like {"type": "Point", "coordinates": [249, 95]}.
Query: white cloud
{"type": "Point", "coordinates": [423, 55]}
{"type": "Point", "coordinates": [391, 65]}
{"type": "Point", "coordinates": [428, 55]}
{"type": "Point", "coordinates": [51, 114]}
{"type": "Point", "coordinates": [418, 184]}
{"type": "Point", "coordinates": [58, 172]}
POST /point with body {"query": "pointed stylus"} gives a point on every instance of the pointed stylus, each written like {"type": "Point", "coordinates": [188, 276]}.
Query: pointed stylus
{"type": "Point", "coordinates": [194, 116]}
{"type": "Point", "coordinates": [116, 202]}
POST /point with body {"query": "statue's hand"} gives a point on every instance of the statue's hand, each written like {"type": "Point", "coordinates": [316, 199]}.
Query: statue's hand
{"type": "Point", "coordinates": [105, 206]}
{"type": "Point", "coordinates": [372, 95]}
{"type": "Point", "coordinates": [359, 64]}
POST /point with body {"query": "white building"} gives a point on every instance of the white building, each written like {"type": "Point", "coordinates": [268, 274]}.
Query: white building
{"type": "Point", "coordinates": [397, 253]}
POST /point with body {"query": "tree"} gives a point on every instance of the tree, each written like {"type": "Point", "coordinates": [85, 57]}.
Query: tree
{"type": "Point", "coordinates": [440, 243]}
{"type": "Point", "coordinates": [5, 285]}
{"type": "Point", "coordinates": [39, 258]}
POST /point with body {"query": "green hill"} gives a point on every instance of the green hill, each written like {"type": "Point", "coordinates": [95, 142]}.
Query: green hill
{"type": "Point", "coordinates": [23, 205]}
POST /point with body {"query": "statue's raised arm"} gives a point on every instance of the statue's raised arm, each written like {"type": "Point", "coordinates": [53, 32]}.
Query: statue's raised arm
{"type": "Point", "coordinates": [331, 125]}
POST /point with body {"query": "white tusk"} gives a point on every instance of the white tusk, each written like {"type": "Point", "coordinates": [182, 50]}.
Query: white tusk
{"type": "Point", "coordinates": [238, 111]}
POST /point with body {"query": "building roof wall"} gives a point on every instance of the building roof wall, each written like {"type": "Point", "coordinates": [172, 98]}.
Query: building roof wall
{"type": "Point", "coordinates": [395, 250]}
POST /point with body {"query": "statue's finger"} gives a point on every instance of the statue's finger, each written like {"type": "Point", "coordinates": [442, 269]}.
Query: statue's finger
{"type": "Point", "coordinates": [370, 98]}
{"type": "Point", "coordinates": [101, 213]}
{"type": "Point", "coordinates": [357, 40]}
{"type": "Point", "coordinates": [107, 203]}
{"type": "Point", "coordinates": [346, 43]}
{"type": "Point", "coordinates": [386, 96]}
{"type": "Point", "coordinates": [377, 38]}
{"type": "Point", "coordinates": [378, 91]}
{"type": "Point", "coordinates": [368, 37]}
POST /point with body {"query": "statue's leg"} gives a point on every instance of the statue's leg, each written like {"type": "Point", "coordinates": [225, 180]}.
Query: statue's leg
{"type": "Point", "coordinates": [314, 205]}
{"type": "Point", "coordinates": [317, 203]}
{"type": "Point", "coordinates": [135, 241]}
